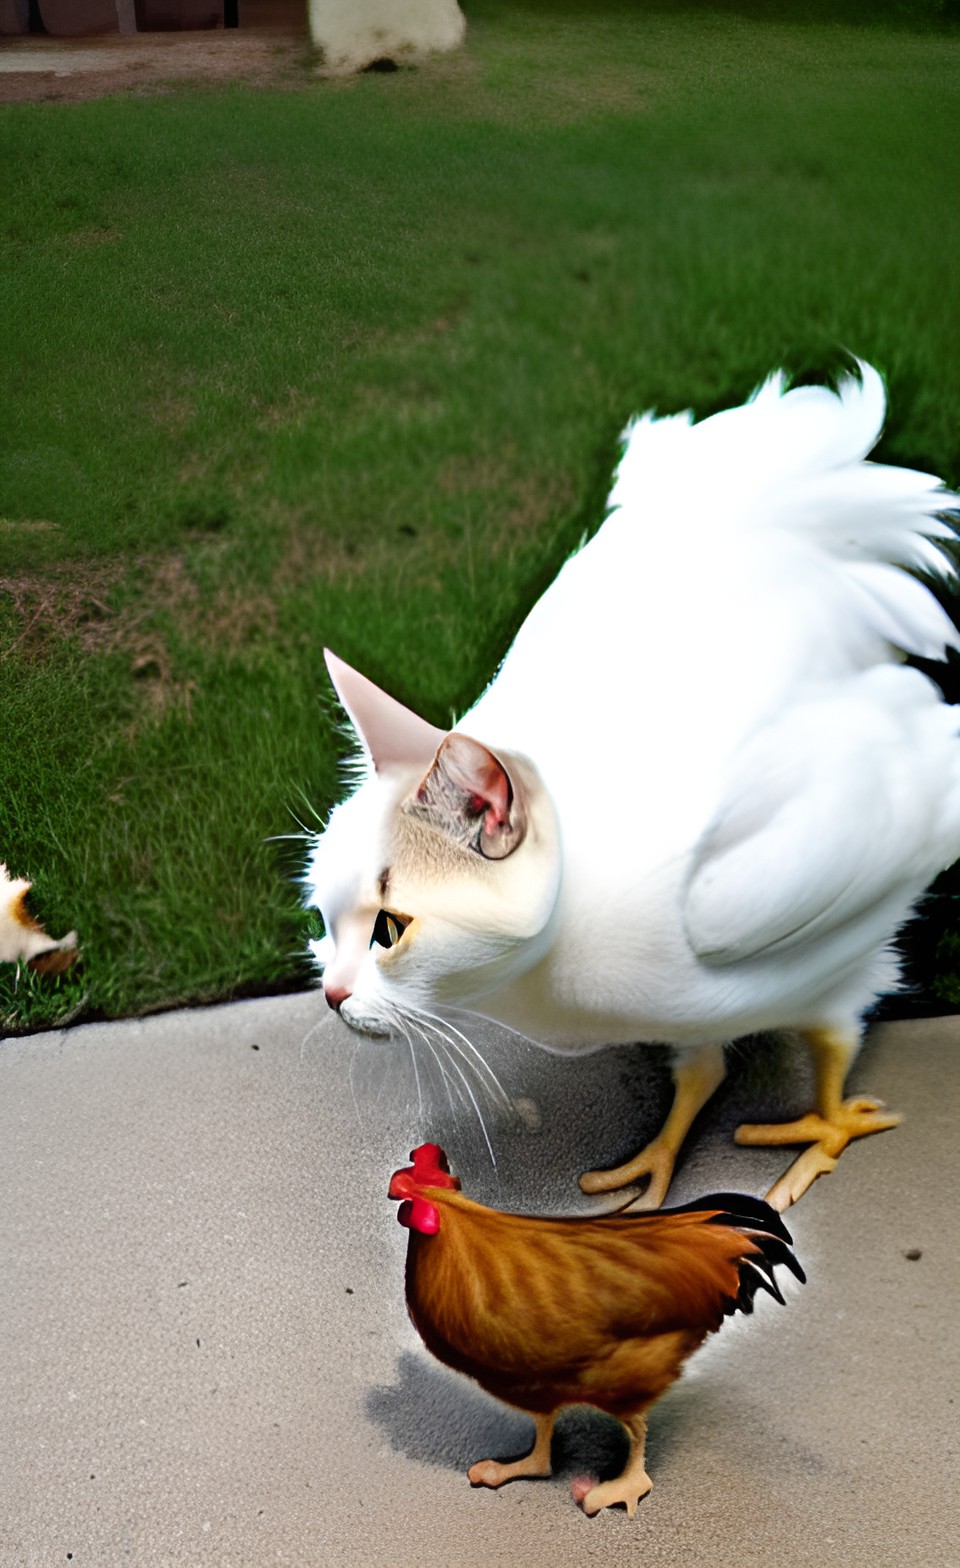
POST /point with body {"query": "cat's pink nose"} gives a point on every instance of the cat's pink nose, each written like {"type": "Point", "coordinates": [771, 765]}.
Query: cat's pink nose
{"type": "Point", "coordinates": [335, 995]}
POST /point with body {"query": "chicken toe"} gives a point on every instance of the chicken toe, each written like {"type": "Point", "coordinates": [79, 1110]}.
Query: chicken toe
{"type": "Point", "coordinates": [695, 1077]}
{"type": "Point", "coordinates": [656, 1161]}
{"type": "Point", "coordinates": [829, 1128]}
{"type": "Point", "coordinates": [609, 1493]}
{"type": "Point", "coordinates": [827, 1140]}
{"type": "Point", "coordinates": [491, 1472]}
{"type": "Point", "coordinates": [630, 1486]}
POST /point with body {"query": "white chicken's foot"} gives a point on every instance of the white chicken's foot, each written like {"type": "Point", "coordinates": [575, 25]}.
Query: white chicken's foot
{"type": "Point", "coordinates": [490, 1472]}
{"type": "Point", "coordinates": [827, 1140]}
{"type": "Point", "coordinates": [656, 1161]}
{"type": "Point", "coordinates": [695, 1078]}
{"type": "Point", "coordinates": [828, 1129]}
{"type": "Point", "coordinates": [630, 1486]}
{"type": "Point", "coordinates": [800, 1176]}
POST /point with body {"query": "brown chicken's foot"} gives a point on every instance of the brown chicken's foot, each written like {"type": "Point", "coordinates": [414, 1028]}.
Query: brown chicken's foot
{"type": "Point", "coordinates": [629, 1487]}
{"type": "Point", "coordinates": [490, 1472]}
{"type": "Point", "coordinates": [827, 1137]}
{"type": "Point", "coordinates": [626, 1490]}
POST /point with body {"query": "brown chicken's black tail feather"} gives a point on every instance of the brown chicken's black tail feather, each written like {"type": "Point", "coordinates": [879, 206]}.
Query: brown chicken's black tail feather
{"type": "Point", "coordinates": [756, 1272]}
{"type": "Point", "coordinates": [739, 1209]}
{"type": "Point", "coordinates": [765, 1228]}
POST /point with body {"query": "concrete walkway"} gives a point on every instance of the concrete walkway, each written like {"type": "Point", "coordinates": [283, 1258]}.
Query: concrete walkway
{"type": "Point", "coordinates": [68, 69]}
{"type": "Point", "coordinates": [205, 1357]}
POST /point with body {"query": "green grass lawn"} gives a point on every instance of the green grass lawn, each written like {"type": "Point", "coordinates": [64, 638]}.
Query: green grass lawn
{"type": "Point", "coordinates": [346, 363]}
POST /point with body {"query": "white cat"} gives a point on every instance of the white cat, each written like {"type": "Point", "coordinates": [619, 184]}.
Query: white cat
{"type": "Point", "coordinates": [703, 791]}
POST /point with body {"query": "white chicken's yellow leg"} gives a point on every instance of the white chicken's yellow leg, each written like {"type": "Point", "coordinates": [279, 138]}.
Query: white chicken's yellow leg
{"type": "Point", "coordinates": [630, 1486]}
{"type": "Point", "coordinates": [829, 1128]}
{"type": "Point", "coordinates": [695, 1078]}
{"type": "Point", "coordinates": [490, 1472]}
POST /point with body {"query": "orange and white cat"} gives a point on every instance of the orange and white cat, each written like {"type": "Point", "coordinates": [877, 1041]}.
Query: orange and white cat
{"type": "Point", "coordinates": [702, 792]}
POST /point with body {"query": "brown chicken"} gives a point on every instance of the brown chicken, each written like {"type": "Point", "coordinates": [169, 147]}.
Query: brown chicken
{"type": "Point", "coordinates": [599, 1311]}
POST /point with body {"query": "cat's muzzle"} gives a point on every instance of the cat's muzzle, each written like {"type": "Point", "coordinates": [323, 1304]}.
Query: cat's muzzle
{"type": "Point", "coordinates": [363, 1021]}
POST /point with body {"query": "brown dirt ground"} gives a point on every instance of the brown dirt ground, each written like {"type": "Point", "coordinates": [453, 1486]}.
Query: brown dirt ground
{"type": "Point", "coordinates": [271, 54]}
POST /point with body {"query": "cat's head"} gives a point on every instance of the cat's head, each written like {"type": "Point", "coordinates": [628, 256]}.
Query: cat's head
{"type": "Point", "coordinates": [438, 877]}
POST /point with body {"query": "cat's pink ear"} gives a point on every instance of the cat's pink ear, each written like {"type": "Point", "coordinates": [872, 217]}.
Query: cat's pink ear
{"type": "Point", "coordinates": [470, 793]}
{"type": "Point", "coordinates": [392, 734]}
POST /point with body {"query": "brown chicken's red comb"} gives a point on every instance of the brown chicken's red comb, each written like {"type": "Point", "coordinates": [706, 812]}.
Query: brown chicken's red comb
{"type": "Point", "coordinates": [431, 1167]}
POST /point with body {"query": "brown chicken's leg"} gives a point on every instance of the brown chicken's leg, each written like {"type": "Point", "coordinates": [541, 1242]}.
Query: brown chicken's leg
{"type": "Point", "coordinates": [829, 1128]}
{"type": "Point", "coordinates": [695, 1078]}
{"type": "Point", "coordinates": [630, 1486]}
{"type": "Point", "coordinates": [490, 1472]}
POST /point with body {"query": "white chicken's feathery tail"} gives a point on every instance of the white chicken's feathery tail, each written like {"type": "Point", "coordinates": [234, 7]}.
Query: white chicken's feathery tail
{"type": "Point", "coordinates": [795, 461]}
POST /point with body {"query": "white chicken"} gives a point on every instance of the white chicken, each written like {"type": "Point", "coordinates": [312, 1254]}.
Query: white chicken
{"type": "Point", "coordinates": [703, 791]}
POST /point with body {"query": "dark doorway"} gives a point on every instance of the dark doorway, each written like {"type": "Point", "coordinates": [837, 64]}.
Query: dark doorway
{"type": "Point", "coordinates": [287, 16]}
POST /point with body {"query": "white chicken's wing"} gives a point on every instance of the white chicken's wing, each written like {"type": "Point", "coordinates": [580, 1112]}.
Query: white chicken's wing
{"type": "Point", "coordinates": [832, 812]}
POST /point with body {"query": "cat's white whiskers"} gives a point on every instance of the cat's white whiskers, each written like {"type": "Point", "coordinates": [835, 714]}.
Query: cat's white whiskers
{"type": "Point", "coordinates": [353, 1091]}
{"type": "Point", "coordinates": [313, 812]}
{"type": "Point", "coordinates": [411, 1031]}
{"type": "Point", "coordinates": [473, 1101]}
{"type": "Point", "coordinates": [425, 1023]}
{"type": "Point", "coordinates": [309, 1036]}
{"type": "Point", "coordinates": [445, 1077]}
{"type": "Point", "coordinates": [413, 1062]}
{"type": "Point", "coordinates": [469, 1055]}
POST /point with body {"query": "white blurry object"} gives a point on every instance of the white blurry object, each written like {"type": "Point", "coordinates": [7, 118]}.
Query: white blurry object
{"type": "Point", "coordinates": [354, 34]}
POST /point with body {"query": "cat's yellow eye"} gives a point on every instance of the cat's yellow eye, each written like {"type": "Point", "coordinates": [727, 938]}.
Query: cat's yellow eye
{"type": "Point", "coordinates": [388, 928]}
